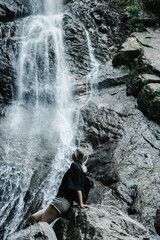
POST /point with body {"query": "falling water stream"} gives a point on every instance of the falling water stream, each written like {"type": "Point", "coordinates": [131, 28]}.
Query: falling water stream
{"type": "Point", "coordinates": [39, 126]}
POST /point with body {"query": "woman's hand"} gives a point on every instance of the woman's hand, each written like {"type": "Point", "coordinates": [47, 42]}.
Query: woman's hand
{"type": "Point", "coordinates": [85, 206]}
{"type": "Point", "coordinates": [80, 198]}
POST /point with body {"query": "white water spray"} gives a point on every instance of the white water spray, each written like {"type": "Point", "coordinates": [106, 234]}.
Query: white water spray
{"type": "Point", "coordinates": [39, 124]}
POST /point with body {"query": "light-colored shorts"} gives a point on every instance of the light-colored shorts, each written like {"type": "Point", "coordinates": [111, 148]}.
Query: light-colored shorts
{"type": "Point", "coordinates": [61, 204]}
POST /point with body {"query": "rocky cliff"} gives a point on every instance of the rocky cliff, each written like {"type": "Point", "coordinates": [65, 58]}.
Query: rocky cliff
{"type": "Point", "coordinates": [119, 117]}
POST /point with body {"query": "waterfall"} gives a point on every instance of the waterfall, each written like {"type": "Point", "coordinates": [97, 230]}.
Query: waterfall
{"type": "Point", "coordinates": [92, 76]}
{"type": "Point", "coordinates": [38, 127]}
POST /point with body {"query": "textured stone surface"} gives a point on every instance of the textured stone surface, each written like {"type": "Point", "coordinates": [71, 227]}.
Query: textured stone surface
{"type": "Point", "coordinates": [139, 81]}
{"type": "Point", "coordinates": [150, 42]}
{"type": "Point", "coordinates": [7, 47]}
{"type": "Point", "coordinates": [149, 101]}
{"type": "Point", "coordinates": [12, 9]}
{"type": "Point", "coordinates": [106, 27]}
{"type": "Point", "coordinates": [100, 222]}
{"type": "Point", "coordinates": [125, 151]}
{"type": "Point", "coordinates": [130, 51]}
{"type": "Point", "coordinates": [123, 144]}
{"type": "Point", "coordinates": [40, 231]}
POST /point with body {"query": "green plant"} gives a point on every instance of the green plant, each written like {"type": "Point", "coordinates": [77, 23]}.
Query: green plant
{"type": "Point", "coordinates": [157, 92]}
{"type": "Point", "coordinates": [134, 13]}
{"type": "Point", "coordinates": [124, 68]}
{"type": "Point", "coordinates": [139, 27]}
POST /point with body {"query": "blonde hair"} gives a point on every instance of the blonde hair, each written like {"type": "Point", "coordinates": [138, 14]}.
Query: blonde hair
{"type": "Point", "coordinates": [81, 157]}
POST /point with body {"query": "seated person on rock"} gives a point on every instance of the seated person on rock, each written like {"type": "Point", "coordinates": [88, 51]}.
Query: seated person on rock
{"type": "Point", "coordinates": [70, 190]}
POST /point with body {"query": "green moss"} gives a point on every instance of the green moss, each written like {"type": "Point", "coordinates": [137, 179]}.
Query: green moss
{"type": "Point", "coordinates": [124, 68]}
{"type": "Point", "coordinates": [149, 103]}
{"type": "Point", "coordinates": [121, 7]}
{"type": "Point", "coordinates": [132, 22]}
{"type": "Point", "coordinates": [146, 82]}
{"type": "Point", "coordinates": [157, 92]}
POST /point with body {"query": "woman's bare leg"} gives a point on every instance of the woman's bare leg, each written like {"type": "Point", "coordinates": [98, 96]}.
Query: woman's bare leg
{"type": "Point", "coordinates": [50, 214]}
{"type": "Point", "coordinates": [36, 217]}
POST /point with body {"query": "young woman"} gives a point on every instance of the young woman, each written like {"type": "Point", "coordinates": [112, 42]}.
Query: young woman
{"type": "Point", "coordinates": [70, 190]}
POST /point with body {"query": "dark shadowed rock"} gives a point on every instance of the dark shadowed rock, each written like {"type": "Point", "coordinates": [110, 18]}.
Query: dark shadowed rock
{"type": "Point", "coordinates": [152, 5]}
{"type": "Point", "coordinates": [100, 222]}
{"type": "Point", "coordinates": [157, 221]}
{"type": "Point", "coordinates": [7, 50]}
{"type": "Point", "coordinates": [108, 77]}
{"type": "Point", "coordinates": [12, 9]}
{"type": "Point", "coordinates": [76, 47]}
{"type": "Point", "coordinates": [129, 52]}
{"type": "Point", "coordinates": [149, 100]}
{"type": "Point", "coordinates": [103, 158]}
{"type": "Point", "coordinates": [40, 231]}
{"type": "Point", "coordinates": [138, 82]}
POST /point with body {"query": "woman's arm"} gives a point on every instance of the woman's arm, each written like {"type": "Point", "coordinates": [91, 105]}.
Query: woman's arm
{"type": "Point", "coordinates": [80, 199]}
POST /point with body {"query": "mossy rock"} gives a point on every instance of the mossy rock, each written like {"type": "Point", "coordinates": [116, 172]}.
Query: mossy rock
{"type": "Point", "coordinates": [149, 101]}
{"type": "Point", "coordinates": [153, 6]}
{"type": "Point", "coordinates": [130, 51]}
{"type": "Point", "coordinates": [139, 81]}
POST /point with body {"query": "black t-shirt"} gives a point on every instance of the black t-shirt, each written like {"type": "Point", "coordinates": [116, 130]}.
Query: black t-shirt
{"type": "Point", "coordinates": [71, 182]}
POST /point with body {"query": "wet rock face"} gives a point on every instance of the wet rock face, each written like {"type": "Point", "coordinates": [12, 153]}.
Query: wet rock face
{"type": "Point", "coordinates": [76, 48]}
{"type": "Point", "coordinates": [7, 47]}
{"type": "Point", "coordinates": [12, 9]}
{"type": "Point", "coordinates": [105, 25]}
{"type": "Point", "coordinates": [100, 222]}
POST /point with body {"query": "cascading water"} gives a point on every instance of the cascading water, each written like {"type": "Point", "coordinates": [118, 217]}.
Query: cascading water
{"type": "Point", "coordinates": [38, 126]}
{"type": "Point", "coordinates": [92, 76]}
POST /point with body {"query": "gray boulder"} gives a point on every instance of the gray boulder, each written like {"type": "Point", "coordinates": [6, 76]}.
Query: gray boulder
{"type": "Point", "coordinates": [40, 231]}
{"type": "Point", "coordinates": [129, 52]}
{"type": "Point", "coordinates": [99, 222]}
{"type": "Point", "coordinates": [139, 81]}
{"type": "Point", "coordinates": [149, 101]}
{"type": "Point", "coordinates": [149, 42]}
{"type": "Point", "coordinates": [124, 152]}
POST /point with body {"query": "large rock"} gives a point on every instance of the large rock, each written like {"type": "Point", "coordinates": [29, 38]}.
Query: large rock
{"type": "Point", "coordinates": [130, 51]}
{"type": "Point", "coordinates": [150, 42]}
{"type": "Point", "coordinates": [124, 148]}
{"type": "Point", "coordinates": [141, 52]}
{"type": "Point", "coordinates": [12, 9]}
{"type": "Point", "coordinates": [107, 76]}
{"type": "Point", "coordinates": [100, 222]}
{"type": "Point", "coordinates": [40, 231]}
{"type": "Point", "coordinates": [77, 54]}
{"type": "Point", "coordinates": [106, 26]}
{"type": "Point", "coordinates": [139, 81]}
{"type": "Point", "coordinates": [149, 101]}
